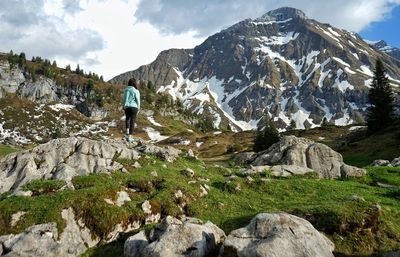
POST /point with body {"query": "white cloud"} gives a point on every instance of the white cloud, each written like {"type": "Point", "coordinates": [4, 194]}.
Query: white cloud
{"type": "Point", "coordinates": [113, 36]}
{"type": "Point", "coordinates": [209, 16]}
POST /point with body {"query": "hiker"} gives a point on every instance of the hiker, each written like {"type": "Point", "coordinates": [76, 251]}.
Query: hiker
{"type": "Point", "coordinates": [131, 107]}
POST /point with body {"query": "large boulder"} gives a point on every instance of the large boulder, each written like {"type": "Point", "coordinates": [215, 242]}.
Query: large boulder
{"type": "Point", "coordinates": [302, 152]}
{"type": "Point", "coordinates": [244, 158]}
{"type": "Point", "coordinates": [43, 240]}
{"type": "Point", "coordinates": [378, 163]}
{"type": "Point", "coordinates": [278, 234]}
{"type": "Point", "coordinates": [166, 153]}
{"type": "Point", "coordinates": [176, 238]}
{"type": "Point", "coordinates": [62, 159]}
{"type": "Point", "coordinates": [395, 162]}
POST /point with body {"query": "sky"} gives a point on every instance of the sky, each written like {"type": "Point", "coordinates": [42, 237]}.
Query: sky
{"type": "Point", "coordinates": [110, 37]}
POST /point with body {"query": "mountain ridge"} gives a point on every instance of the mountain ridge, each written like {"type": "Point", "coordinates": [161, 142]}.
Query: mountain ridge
{"type": "Point", "coordinates": [282, 65]}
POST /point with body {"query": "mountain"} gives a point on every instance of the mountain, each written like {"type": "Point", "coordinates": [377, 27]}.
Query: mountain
{"type": "Point", "coordinates": [283, 64]}
{"type": "Point", "coordinates": [382, 46]}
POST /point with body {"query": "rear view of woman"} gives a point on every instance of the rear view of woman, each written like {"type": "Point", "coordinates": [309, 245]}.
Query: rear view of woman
{"type": "Point", "coordinates": [131, 107]}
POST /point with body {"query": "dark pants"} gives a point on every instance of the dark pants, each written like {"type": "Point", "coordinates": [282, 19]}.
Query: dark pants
{"type": "Point", "coordinates": [130, 114]}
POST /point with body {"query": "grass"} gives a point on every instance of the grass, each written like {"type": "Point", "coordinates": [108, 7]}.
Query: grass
{"type": "Point", "coordinates": [5, 149]}
{"type": "Point", "coordinates": [355, 226]}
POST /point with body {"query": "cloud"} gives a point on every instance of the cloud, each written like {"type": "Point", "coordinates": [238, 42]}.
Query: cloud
{"type": "Point", "coordinates": [72, 7]}
{"type": "Point", "coordinates": [27, 26]}
{"type": "Point", "coordinates": [209, 16]}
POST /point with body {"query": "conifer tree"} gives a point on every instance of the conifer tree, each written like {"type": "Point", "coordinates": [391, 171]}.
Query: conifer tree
{"type": "Point", "coordinates": [266, 137]}
{"type": "Point", "coordinates": [381, 111]}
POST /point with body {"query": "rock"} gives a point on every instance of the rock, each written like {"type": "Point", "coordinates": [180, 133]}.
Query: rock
{"type": "Point", "coordinates": [244, 158]}
{"type": "Point", "coordinates": [16, 217]}
{"type": "Point", "coordinates": [289, 170]}
{"type": "Point", "coordinates": [351, 171]}
{"type": "Point", "coordinates": [62, 159]}
{"type": "Point", "coordinates": [249, 179]}
{"type": "Point", "coordinates": [43, 240]}
{"type": "Point", "coordinates": [203, 191]}
{"type": "Point", "coordinates": [188, 173]}
{"type": "Point", "coordinates": [357, 198]}
{"type": "Point", "coordinates": [41, 91]}
{"type": "Point", "coordinates": [109, 201]}
{"type": "Point", "coordinates": [254, 170]}
{"type": "Point", "coordinates": [392, 254]}
{"type": "Point", "coordinates": [151, 217]}
{"type": "Point", "coordinates": [380, 163]}
{"type": "Point", "coordinates": [278, 234]}
{"type": "Point", "coordinates": [154, 173]}
{"type": "Point", "coordinates": [395, 162]}
{"type": "Point", "coordinates": [173, 238]}
{"type": "Point", "coordinates": [302, 152]}
{"type": "Point", "coordinates": [178, 194]}
{"type": "Point", "coordinates": [23, 193]}
{"type": "Point", "coordinates": [135, 245]}
{"type": "Point", "coordinates": [166, 153]}
{"type": "Point", "coordinates": [122, 198]}
{"type": "Point", "coordinates": [136, 165]}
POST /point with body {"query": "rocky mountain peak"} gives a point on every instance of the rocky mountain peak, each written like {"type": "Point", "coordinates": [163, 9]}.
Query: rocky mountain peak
{"type": "Point", "coordinates": [284, 13]}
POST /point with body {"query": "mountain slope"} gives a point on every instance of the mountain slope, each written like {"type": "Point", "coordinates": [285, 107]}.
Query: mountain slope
{"type": "Point", "coordinates": [282, 64]}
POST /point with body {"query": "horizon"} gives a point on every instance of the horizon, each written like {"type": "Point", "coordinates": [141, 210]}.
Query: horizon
{"type": "Point", "coordinates": [82, 32]}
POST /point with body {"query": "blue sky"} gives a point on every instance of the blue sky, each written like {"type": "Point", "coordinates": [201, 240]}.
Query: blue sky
{"type": "Point", "coordinates": [387, 29]}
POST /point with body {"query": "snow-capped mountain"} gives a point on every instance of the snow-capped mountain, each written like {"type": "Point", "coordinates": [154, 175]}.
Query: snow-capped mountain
{"type": "Point", "coordinates": [382, 46]}
{"type": "Point", "coordinates": [281, 64]}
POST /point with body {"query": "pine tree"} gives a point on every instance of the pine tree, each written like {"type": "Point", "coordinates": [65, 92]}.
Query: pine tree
{"type": "Point", "coordinates": [381, 112]}
{"type": "Point", "coordinates": [266, 137]}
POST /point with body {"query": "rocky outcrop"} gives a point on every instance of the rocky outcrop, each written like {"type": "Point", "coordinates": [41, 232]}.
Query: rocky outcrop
{"type": "Point", "coordinates": [302, 152]}
{"type": "Point", "coordinates": [10, 78]}
{"type": "Point", "coordinates": [41, 91]}
{"type": "Point", "coordinates": [166, 153]}
{"type": "Point", "coordinates": [244, 158]}
{"type": "Point", "coordinates": [277, 234]}
{"type": "Point", "coordinates": [63, 159]}
{"type": "Point", "coordinates": [385, 163]}
{"type": "Point", "coordinates": [44, 240]}
{"type": "Point", "coordinates": [173, 237]}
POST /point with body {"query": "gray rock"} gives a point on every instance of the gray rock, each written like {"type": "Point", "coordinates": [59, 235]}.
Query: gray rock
{"type": "Point", "coordinates": [351, 171]}
{"type": "Point", "coordinates": [380, 163]}
{"type": "Point", "coordinates": [41, 91]}
{"type": "Point", "coordinates": [135, 245]}
{"type": "Point", "coordinates": [188, 173]}
{"type": "Point", "coordinates": [395, 162]}
{"type": "Point", "coordinates": [166, 153]}
{"type": "Point", "coordinates": [277, 234]}
{"type": "Point", "coordinates": [244, 158]}
{"type": "Point", "coordinates": [289, 170]}
{"type": "Point", "coordinates": [302, 152]}
{"type": "Point", "coordinates": [62, 159]}
{"type": "Point", "coordinates": [122, 198]}
{"type": "Point", "coordinates": [392, 254]}
{"type": "Point", "coordinates": [43, 240]}
{"type": "Point", "coordinates": [10, 79]}
{"type": "Point", "coordinates": [176, 238]}
{"type": "Point", "coordinates": [253, 170]}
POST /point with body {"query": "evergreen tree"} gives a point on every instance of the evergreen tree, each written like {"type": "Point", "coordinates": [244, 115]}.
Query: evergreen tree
{"type": "Point", "coordinates": [266, 137]}
{"type": "Point", "coordinates": [381, 112]}
{"type": "Point", "coordinates": [68, 67]}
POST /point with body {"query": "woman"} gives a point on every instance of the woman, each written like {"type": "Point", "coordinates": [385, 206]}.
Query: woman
{"type": "Point", "coordinates": [131, 107]}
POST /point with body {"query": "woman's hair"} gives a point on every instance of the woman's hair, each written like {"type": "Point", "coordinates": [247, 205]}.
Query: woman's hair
{"type": "Point", "coordinates": [133, 83]}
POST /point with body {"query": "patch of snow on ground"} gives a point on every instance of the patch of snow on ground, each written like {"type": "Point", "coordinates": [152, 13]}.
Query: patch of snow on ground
{"type": "Point", "coordinates": [344, 121]}
{"type": "Point", "coordinates": [356, 128]}
{"type": "Point", "coordinates": [279, 40]}
{"type": "Point", "coordinates": [184, 142]}
{"type": "Point", "coordinates": [152, 121]}
{"type": "Point", "coordinates": [366, 70]}
{"type": "Point", "coordinates": [344, 84]}
{"type": "Point", "coordinates": [198, 144]}
{"type": "Point", "coordinates": [12, 134]}
{"type": "Point", "coordinates": [341, 61]}
{"type": "Point", "coordinates": [58, 107]}
{"type": "Point", "coordinates": [154, 135]}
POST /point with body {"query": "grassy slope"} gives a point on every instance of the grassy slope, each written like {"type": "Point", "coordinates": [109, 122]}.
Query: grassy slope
{"type": "Point", "coordinates": [353, 226]}
{"type": "Point", "coordinates": [5, 149]}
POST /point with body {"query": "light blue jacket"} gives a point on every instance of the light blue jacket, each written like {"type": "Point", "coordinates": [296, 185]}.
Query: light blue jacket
{"type": "Point", "coordinates": [131, 98]}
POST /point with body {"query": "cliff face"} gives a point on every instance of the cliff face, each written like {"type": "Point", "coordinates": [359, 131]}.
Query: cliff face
{"type": "Point", "coordinates": [282, 64]}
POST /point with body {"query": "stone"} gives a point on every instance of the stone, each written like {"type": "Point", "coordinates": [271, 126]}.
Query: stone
{"type": "Point", "coordinates": [351, 171]}
{"type": "Point", "coordinates": [166, 153]}
{"type": "Point", "coordinates": [16, 217]}
{"type": "Point", "coordinates": [395, 162]}
{"type": "Point", "coordinates": [380, 163]}
{"type": "Point", "coordinates": [302, 152]}
{"type": "Point", "coordinates": [62, 159]}
{"type": "Point", "coordinates": [122, 198]}
{"type": "Point", "coordinates": [254, 170]}
{"type": "Point", "coordinates": [154, 173]}
{"type": "Point", "coordinates": [357, 198]}
{"type": "Point", "coordinates": [188, 173]}
{"type": "Point", "coordinates": [173, 238]}
{"type": "Point", "coordinates": [392, 254]}
{"type": "Point", "coordinates": [178, 194]}
{"type": "Point", "coordinates": [41, 91]}
{"type": "Point", "coordinates": [136, 165]}
{"type": "Point", "coordinates": [277, 234]}
{"type": "Point", "coordinates": [151, 217]}
{"type": "Point", "coordinates": [289, 170]}
{"type": "Point", "coordinates": [244, 158]}
{"type": "Point", "coordinates": [203, 191]}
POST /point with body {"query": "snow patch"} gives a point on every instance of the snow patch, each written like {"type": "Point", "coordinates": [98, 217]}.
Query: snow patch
{"type": "Point", "coordinates": [154, 135]}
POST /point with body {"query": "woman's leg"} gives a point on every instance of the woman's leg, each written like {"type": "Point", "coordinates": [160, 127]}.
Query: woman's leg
{"type": "Point", "coordinates": [132, 120]}
{"type": "Point", "coordinates": [128, 118]}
